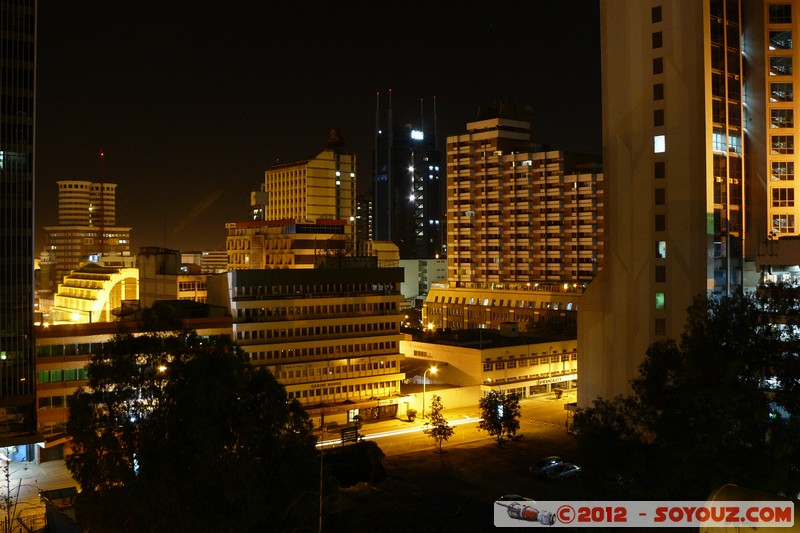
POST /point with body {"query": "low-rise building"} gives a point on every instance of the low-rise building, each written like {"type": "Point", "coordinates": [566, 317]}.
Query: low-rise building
{"type": "Point", "coordinates": [330, 334]}
{"type": "Point", "coordinates": [488, 306]}
{"type": "Point", "coordinates": [505, 360]}
{"type": "Point", "coordinates": [94, 293]}
{"type": "Point", "coordinates": [162, 276]}
{"type": "Point", "coordinates": [286, 243]}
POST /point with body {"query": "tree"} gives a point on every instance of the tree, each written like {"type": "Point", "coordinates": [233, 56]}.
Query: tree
{"type": "Point", "coordinates": [439, 428]}
{"type": "Point", "coordinates": [177, 433]}
{"type": "Point", "coordinates": [500, 414]}
{"type": "Point", "coordinates": [699, 416]}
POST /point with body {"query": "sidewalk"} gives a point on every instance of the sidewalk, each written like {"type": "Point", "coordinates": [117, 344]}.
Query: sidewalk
{"type": "Point", "coordinates": [26, 480]}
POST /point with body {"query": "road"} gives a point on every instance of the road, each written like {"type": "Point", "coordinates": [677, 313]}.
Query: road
{"type": "Point", "coordinates": [397, 437]}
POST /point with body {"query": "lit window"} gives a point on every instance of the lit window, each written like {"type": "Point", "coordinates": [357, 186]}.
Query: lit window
{"type": "Point", "coordinates": [659, 300]}
{"type": "Point", "coordinates": [661, 249]}
{"type": "Point", "coordinates": [659, 144]}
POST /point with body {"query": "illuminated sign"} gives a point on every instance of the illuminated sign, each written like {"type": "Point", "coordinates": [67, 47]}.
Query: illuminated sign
{"type": "Point", "coordinates": [417, 135]}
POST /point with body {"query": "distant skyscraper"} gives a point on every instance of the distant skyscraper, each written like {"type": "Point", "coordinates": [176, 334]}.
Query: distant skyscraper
{"type": "Point", "coordinates": [17, 105]}
{"type": "Point", "coordinates": [407, 189]}
{"type": "Point", "coordinates": [86, 229]}
{"type": "Point", "coordinates": [323, 187]}
{"type": "Point", "coordinates": [698, 135]}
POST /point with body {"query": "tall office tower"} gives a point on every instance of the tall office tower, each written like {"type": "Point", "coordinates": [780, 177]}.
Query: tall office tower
{"type": "Point", "coordinates": [677, 171]}
{"type": "Point", "coordinates": [17, 105]}
{"type": "Point", "coordinates": [517, 216]}
{"type": "Point", "coordinates": [83, 203]}
{"type": "Point", "coordinates": [87, 229]}
{"type": "Point", "coordinates": [365, 216]}
{"type": "Point", "coordinates": [323, 187]}
{"type": "Point", "coordinates": [407, 190]}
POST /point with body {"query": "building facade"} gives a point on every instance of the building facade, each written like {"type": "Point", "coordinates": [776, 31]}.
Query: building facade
{"type": "Point", "coordinates": [517, 364]}
{"type": "Point", "coordinates": [518, 214]}
{"type": "Point", "coordinates": [331, 334]}
{"type": "Point", "coordinates": [407, 189]}
{"type": "Point", "coordinates": [692, 93]}
{"type": "Point", "coordinates": [17, 119]}
{"type": "Point", "coordinates": [323, 187]}
{"type": "Point", "coordinates": [420, 275]}
{"type": "Point", "coordinates": [87, 229]}
{"type": "Point", "coordinates": [95, 293]}
{"type": "Point", "coordinates": [487, 308]}
{"type": "Point", "coordinates": [210, 261]}
{"type": "Point", "coordinates": [285, 243]}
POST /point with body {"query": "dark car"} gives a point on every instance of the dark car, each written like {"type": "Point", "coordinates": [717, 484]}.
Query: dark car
{"type": "Point", "coordinates": [564, 471]}
{"type": "Point", "coordinates": [513, 498]}
{"type": "Point", "coordinates": [545, 465]}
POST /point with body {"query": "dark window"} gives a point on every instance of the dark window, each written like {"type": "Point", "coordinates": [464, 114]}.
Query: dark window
{"type": "Point", "coordinates": [658, 91]}
{"type": "Point", "coordinates": [660, 170]}
{"type": "Point", "coordinates": [782, 197]}
{"type": "Point", "coordinates": [658, 117]}
{"type": "Point", "coordinates": [661, 223]}
{"type": "Point", "coordinates": [780, 14]}
{"type": "Point", "coordinates": [656, 14]}
{"type": "Point", "coordinates": [658, 65]}
{"type": "Point", "coordinates": [660, 196]}
{"type": "Point", "coordinates": [661, 326]}
{"type": "Point", "coordinates": [661, 274]}
{"type": "Point", "coordinates": [658, 40]}
{"type": "Point", "coordinates": [780, 66]}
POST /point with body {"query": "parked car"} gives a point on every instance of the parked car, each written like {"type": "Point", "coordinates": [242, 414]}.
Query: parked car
{"type": "Point", "coordinates": [564, 471]}
{"type": "Point", "coordinates": [514, 498]}
{"type": "Point", "coordinates": [545, 465]}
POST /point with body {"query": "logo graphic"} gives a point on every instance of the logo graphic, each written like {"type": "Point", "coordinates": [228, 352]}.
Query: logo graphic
{"type": "Point", "coordinates": [518, 511]}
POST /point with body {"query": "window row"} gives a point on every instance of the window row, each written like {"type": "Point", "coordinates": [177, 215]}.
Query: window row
{"type": "Point", "coordinates": [361, 389]}
{"type": "Point", "coordinates": [56, 376]}
{"type": "Point", "coordinates": [533, 361]}
{"type": "Point", "coordinates": [257, 313]}
{"type": "Point", "coordinates": [306, 333]}
{"type": "Point", "coordinates": [303, 290]}
{"type": "Point", "coordinates": [56, 402]}
{"type": "Point", "coordinates": [358, 350]}
{"type": "Point", "coordinates": [337, 370]}
{"type": "Point", "coordinates": [192, 286]}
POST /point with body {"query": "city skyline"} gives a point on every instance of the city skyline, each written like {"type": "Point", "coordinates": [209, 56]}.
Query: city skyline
{"type": "Point", "coordinates": [191, 107]}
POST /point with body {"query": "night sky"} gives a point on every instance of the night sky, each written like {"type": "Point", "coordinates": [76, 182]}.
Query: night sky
{"type": "Point", "coordinates": [191, 101]}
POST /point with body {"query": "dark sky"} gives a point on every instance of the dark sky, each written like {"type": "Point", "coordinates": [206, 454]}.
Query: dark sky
{"type": "Point", "coordinates": [192, 100]}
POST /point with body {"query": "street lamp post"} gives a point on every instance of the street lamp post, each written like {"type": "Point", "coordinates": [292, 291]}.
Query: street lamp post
{"type": "Point", "coordinates": [432, 370]}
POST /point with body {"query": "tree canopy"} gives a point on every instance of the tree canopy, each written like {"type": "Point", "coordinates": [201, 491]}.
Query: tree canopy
{"type": "Point", "coordinates": [500, 414]}
{"type": "Point", "coordinates": [703, 411]}
{"type": "Point", "coordinates": [179, 433]}
{"type": "Point", "coordinates": [438, 428]}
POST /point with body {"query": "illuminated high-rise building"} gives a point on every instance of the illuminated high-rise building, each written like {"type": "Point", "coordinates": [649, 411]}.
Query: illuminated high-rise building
{"type": "Point", "coordinates": [518, 214]}
{"type": "Point", "coordinates": [17, 109]}
{"type": "Point", "coordinates": [87, 230]}
{"type": "Point", "coordinates": [406, 186]}
{"type": "Point", "coordinates": [699, 158]}
{"type": "Point", "coordinates": [323, 187]}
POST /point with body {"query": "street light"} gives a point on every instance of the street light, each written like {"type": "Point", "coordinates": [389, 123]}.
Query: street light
{"type": "Point", "coordinates": [432, 370]}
